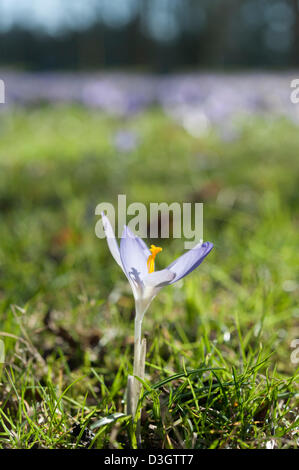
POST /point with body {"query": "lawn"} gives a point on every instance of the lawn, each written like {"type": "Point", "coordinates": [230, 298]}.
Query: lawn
{"type": "Point", "coordinates": [219, 370]}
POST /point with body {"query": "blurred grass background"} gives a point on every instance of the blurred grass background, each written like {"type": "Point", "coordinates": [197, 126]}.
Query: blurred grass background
{"type": "Point", "coordinates": [62, 293]}
{"type": "Point", "coordinates": [83, 121]}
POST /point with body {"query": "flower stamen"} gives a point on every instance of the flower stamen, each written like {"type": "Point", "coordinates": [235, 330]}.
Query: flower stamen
{"type": "Point", "coordinates": [151, 259]}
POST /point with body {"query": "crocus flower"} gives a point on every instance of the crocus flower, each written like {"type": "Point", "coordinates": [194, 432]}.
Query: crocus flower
{"type": "Point", "coordinates": [138, 263]}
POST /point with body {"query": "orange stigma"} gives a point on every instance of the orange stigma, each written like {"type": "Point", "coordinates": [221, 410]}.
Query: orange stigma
{"type": "Point", "coordinates": [151, 259]}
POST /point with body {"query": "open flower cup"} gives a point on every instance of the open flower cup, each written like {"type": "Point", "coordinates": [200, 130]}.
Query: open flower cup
{"type": "Point", "coordinates": [138, 263]}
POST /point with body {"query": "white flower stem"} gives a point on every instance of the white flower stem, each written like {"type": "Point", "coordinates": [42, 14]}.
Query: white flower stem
{"type": "Point", "coordinates": [134, 386]}
{"type": "Point", "coordinates": [138, 366]}
{"type": "Point", "coordinates": [137, 345]}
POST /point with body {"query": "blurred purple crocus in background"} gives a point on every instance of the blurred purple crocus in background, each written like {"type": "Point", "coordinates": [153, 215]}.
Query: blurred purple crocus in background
{"type": "Point", "coordinates": [125, 141]}
{"type": "Point", "coordinates": [138, 263]}
{"type": "Point", "coordinates": [197, 101]}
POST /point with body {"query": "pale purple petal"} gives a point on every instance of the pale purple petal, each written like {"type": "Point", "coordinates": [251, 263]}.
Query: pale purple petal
{"type": "Point", "coordinates": [143, 246]}
{"type": "Point", "coordinates": [158, 278]}
{"type": "Point", "coordinates": [186, 263]}
{"type": "Point", "coordinates": [111, 240]}
{"type": "Point", "coordinates": [133, 257]}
